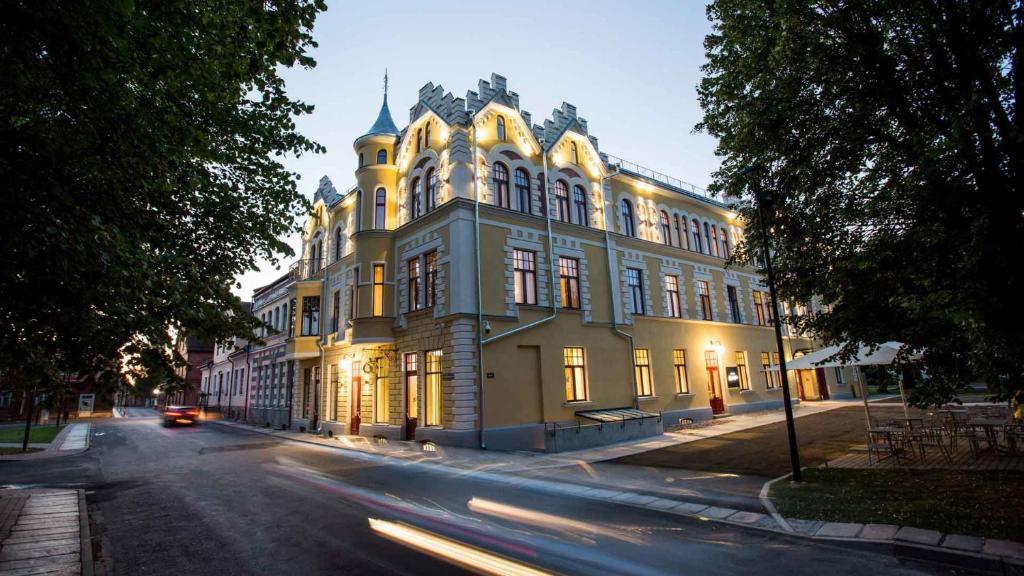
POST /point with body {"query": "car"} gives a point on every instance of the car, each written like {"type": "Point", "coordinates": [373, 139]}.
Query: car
{"type": "Point", "coordinates": [181, 415]}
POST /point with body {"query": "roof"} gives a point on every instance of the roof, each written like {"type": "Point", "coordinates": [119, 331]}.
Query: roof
{"type": "Point", "coordinates": [384, 124]}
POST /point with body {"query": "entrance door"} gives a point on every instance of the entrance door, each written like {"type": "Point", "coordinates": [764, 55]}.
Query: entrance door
{"type": "Point", "coordinates": [355, 398]}
{"type": "Point", "coordinates": [808, 384]}
{"type": "Point", "coordinates": [819, 373]}
{"type": "Point", "coordinates": [714, 382]}
{"type": "Point", "coordinates": [412, 396]}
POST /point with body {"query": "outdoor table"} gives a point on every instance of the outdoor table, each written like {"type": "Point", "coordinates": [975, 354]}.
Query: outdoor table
{"type": "Point", "coordinates": [910, 421]}
{"type": "Point", "coordinates": [991, 427]}
{"type": "Point", "coordinates": [888, 432]}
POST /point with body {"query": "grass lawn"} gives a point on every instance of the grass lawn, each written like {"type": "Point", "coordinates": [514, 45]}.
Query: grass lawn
{"type": "Point", "coordinates": [39, 434]}
{"type": "Point", "coordinates": [976, 502]}
{"type": "Point", "coordinates": [6, 450]}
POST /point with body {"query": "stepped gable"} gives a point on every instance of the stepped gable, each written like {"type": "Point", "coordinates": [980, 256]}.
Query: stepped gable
{"type": "Point", "coordinates": [562, 119]}
{"type": "Point", "coordinates": [451, 109]}
{"type": "Point", "coordinates": [327, 192]}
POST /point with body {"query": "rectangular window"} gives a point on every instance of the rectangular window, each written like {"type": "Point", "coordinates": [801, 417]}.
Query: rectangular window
{"type": "Point", "coordinates": [381, 398]}
{"type": "Point", "coordinates": [636, 289]}
{"type": "Point", "coordinates": [759, 308]}
{"type": "Point", "coordinates": [525, 272]}
{"type": "Point", "coordinates": [840, 377]}
{"type": "Point", "coordinates": [335, 310]}
{"type": "Point", "coordinates": [575, 374]}
{"type": "Point", "coordinates": [642, 365]}
{"type": "Point", "coordinates": [414, 284]}
{"type": "Point", "coordinates": [766, 365]}
{"type": "Point", "coordinates": [774, 377]}
{"type": "Point", "coordinates": [741, 367]}
{"type": "Point", "coordinates": [310, 315]}
{"type": "Point", "coordinates": [769, 310]}
{"type": "Point", "coordinates": [672, 296]}
{"type": "Point", "coordinates": [734, 304]}
{"type": "Point", "coordinates": [378, 290]}
{"type": "Point", "coordinates": [412, 406]}
{"type": "Point", "coordinates": [291, 318]}
{"type": "Point", "coordinates": [705, 300]}
{"type": "Point", "coordinates": [433, 388]}
{"type": "Point", "coordinates": [679, 360]}
{"type": "Point", "coordinates": [307, 377]}
{"type": "Point", "coordinates": [353, 294]}
{"type": "Point", "coordinates": [430, 284]}
{"type": "Point", "coordinates": [569, 268]}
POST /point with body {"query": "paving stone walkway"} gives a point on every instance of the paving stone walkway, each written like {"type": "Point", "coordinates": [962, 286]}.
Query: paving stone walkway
{"type": "Point", "coordinates": [73, 439]}
{"type": "Point", "coordinates": [40, 532]}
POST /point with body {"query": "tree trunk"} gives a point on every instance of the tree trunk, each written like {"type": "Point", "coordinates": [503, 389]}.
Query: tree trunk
{"type": "Point", "coordinates": [28, 419]}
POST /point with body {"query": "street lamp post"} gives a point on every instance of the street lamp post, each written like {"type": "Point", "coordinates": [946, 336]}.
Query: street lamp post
{"type": "Point", "coordinates": [794, 454]}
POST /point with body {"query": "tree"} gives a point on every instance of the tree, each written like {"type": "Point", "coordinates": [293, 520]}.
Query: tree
{"type": "Point", "coordinates": [889, 136]}
{"type": "Point", "coordinates": [140, 154]}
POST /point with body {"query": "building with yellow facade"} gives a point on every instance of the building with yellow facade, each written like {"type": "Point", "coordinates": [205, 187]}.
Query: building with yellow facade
{"type": "Point", "coordinates": [488, 281]}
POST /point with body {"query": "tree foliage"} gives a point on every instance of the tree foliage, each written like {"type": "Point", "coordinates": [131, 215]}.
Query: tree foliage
{"type": "Point", "coordinates": [889, 135]}
{"type": "Point", "coordinates": [140, 155]}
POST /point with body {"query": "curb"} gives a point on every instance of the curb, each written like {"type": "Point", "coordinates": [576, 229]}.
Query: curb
{"type": "Point", "coordinates": [692, 510]}
{"type": "Point", "coordinates": [770, 506]}
{"type": "Point", "coordinates": [84, 535]}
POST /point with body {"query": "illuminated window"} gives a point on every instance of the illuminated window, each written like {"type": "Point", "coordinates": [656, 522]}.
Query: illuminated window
{"type": "Point", "coordinates": [759, 308]}
{"type": "Point", "coordinates": [734, 304]}
{"type": "Point", "coordinates": [310, 316]}
{"type": "Point", "coordinates": [501, 191]}
{"type": "Point", "coordinates": [579, 198]}
{"type": "Point", "coordinates": [381, 397]}
{"type": "Point", "coordinates": [430, 283]}
{"type": "Point", "coordinates": [726, 249]}
{"type": "Point", "coordinates": [695, 230]}
{"type": "Point", "coordinates": [705, 300]}
{"type": "Point", "coordinates": [561, 201]}
{"type": "Point", "coordinates": [642, 365]}
{"type": "Point", "coordinates": [666, 232]}
{"type": "Point", "coordinates": [575, 374]}
{"type": "Point", "coordinates": [524, 269]}
{"type": "Point", "coordinates": [412, 386]}
{"type": "Point", "coordinates": [431, 182]}
{"type": "Point", "coordinates": [713, 243]}
{"type": "Point", "coordinates": [433, 387]}
{"type": "Point", "coordinates": [741, 367]}
{"type": "Point", "coordinates": [523, 190]}
{"type": "Point", "coordinates": [575, 153]}
{"type": "Point", "coordinates": [501, 128]}
{"type": "Point", "coordinates": [636, 289]}
{"type": "Point", "coordinates": [379, 209]}
{"type": "Point", "coordinates": [378, 290]}
{"type": "Point", "coordinates": [414, 199]}
{"type": "Point", "coordinates": [382, 156]}
{"type": "Point", "coordinates": [628, 226]}
{"type": "Point", "coordinates": [672, 296]}
{"type": "Point", "coordinates": [679, 362]}
{"type": "Point", "coordinates": [569, 268]}
{"type": "Point", "coordinates": [413, 273]}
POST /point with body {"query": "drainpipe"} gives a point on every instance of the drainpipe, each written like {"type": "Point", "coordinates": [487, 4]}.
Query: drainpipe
{"type": "Point", "coordinates": [317, 388]}
{"type": "Point", "coordinates": [551, 262]}
{"type": "Point", "coordinates": [479, 292]}
{"type": "Point", "coordinates": [612, 286]}
{"type": "Point", "coordinates": [248, 377]}
{"type": "Point", "coordinates": [231, 383]}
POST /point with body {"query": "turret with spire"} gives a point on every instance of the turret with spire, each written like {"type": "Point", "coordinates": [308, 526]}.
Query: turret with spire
{"type": "Point", "coordinates": [376, 169]}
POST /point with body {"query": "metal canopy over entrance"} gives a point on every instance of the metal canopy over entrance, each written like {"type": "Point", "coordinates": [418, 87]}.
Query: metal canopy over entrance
{"type": "Point", "coordinates": [615, 415]}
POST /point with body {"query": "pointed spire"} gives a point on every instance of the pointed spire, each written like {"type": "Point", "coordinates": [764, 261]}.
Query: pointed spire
{"type": "Point", "coordinates": [384, 124]}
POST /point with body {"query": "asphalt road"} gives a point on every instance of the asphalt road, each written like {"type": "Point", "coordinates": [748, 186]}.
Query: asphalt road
{"type": "Point", "coordinates": [221, 501]}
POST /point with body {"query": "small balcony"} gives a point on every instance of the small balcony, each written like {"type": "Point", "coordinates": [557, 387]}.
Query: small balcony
{"type": "Point", "coordinates": [309, 269]}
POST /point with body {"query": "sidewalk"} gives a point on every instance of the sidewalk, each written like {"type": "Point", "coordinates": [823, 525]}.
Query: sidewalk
{"type": "Point", "coordinates": [73, 439]}
{"type": "Point", "coordinates": [44, 532]}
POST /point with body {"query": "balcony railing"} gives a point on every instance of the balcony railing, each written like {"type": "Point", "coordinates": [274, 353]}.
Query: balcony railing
{"type": "Point", "coordinates": [680, 185]}
{"type": "Point", "coordinates": [309, 269]}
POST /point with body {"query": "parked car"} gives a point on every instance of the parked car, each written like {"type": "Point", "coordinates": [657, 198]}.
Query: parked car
{"type": "Point", "coordinates": [181, 415]}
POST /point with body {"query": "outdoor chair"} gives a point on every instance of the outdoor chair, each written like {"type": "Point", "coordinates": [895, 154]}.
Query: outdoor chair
{"type": "Point", "coordinates": [1014, 434]}
{"type": "Point", "coordinates": [882, 445]}
{"type": "Point", "coordinates": [966, 432]}
{"type": "Point", "coordinates": [934, 437]}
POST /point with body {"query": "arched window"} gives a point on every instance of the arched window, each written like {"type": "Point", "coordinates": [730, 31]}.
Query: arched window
{"type": "Point", "coordinates": [714, 240]}
{"type": "Point", "coordinates": [542, 194]}
{"type": "Point", "coordinates": [562, 201]}
{"type": "Point", "coordinates": [695, 230]}
{"type": "Point", "coordinates": [426, 136]}
{"type": "Point", "coordinates": [380, 209]}
{"type": "Point", "coordinates": [680, 233]}
{"type": "Point", "coordinates": [382, 156]}
{"type": "Point", "coordinates": [419, 140]}
{"type": "Point", "coordinates": [431, 179]}
{"type": "Point", "coordinates": [360, 159]}
{"type": "Point", "coordinates": [725, 242]}
{"type": "Point", "coordinates": [339, 248]}
{"type": "Point", "coordinates": [316, 253]}
{"type": "Point", "coordinates": [523, 190]}
{"type": "Point", "coordinates": [666, 232]}
{"type": "Point", "coordinates": [501, 192]}
{"type": "Point", "coordinates": [501, 128]}
{"type": "Point", "coordinates": [359, 210]}
{"type": "Point", "coordinates": [707, 239]}
{"type": "Point", "coordinates": [628, 227]}
{"type": "Point", "coordinates": [579, 200]}
{"type": "Point", "coordinates": [575, 153]}
{"type": "Point", "coordinates": [414, 199]}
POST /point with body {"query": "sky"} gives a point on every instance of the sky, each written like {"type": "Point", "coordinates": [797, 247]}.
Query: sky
{"type": "Point", "coordinates": [631, 69]}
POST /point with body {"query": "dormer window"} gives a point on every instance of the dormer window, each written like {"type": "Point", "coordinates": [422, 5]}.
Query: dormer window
{"type": "Point", "coordinates": [575, 153]}
{"type": "Point", "coordinates": [501, 128]}
{"type": "Point", "coordinates": [382, 156]}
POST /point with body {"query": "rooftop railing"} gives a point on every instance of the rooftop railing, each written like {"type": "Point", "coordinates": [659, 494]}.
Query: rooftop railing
{"type": "Point", "coordinates": [675, 183]}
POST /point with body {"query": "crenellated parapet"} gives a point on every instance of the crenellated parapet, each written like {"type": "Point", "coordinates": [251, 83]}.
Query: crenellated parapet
{"type": "Point", "coordinates": [451, 109]}
{"type": "Point", "coordinates": [562, 119]}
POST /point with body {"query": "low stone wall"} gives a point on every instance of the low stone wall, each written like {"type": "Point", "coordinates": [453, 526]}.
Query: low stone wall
{"type": "Point", "coordinates": [525, 437]}
{"type": "Point", "coordinates": [577, 437]}
{"type": "Point", "coordinates": [276, 417]}
{"type": "Point", "coordinates": [673, 418]}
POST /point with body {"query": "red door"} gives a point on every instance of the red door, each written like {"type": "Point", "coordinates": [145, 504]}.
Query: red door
{"type": "Point", "coordinates": [356, 398]}
{"type": "Point", "coordinates": [714, 382]}
{"type": "Point", "coordinates": [822, 384]}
